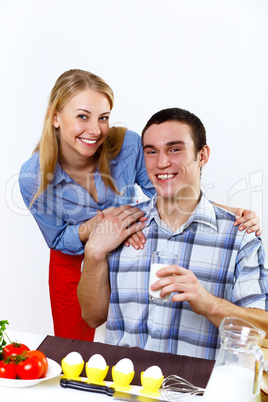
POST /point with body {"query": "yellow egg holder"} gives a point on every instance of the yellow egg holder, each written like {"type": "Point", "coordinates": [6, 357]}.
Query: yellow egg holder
{"type": "Point", "coordinates": [72, 370]}
{"type": "Point", "coordinates": [150, 386]}
{"type": "Point", "coordinates": [121, 381]}
{"type": "Point", "coordinates": [95, 375]}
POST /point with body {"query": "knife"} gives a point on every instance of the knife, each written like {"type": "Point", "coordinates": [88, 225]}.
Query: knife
{"type": "Point", "coordinates": [123, 396]}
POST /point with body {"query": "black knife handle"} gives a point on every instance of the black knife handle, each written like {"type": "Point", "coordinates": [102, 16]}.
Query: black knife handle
{"type": "Point", "coordinates": [85, 386]}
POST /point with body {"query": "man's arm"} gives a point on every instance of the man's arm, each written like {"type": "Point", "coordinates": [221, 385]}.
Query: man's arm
{"type": "Point", "coordinates": [94, 288]}
{"type": "Point", "coordinates": [174, 278]}
{"type": "Point", "coordinates": [222, 308]}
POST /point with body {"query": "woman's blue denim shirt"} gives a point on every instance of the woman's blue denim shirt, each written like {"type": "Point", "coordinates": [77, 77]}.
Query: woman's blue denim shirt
{"type": "Point", "coordinates": [65, 204]}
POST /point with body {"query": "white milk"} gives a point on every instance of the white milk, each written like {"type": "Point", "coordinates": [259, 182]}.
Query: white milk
{"type": "Point", "coordinates": [231, 384]}
{"type": "Point", "coordinates": [153, 278]}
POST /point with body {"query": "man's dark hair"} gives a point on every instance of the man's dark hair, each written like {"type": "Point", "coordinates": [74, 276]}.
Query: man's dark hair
{"type": "Point", "coordinates": [175, 114]}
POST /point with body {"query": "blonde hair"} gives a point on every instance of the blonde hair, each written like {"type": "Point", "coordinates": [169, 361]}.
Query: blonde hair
{"type": "Point", "coordinates": [67, 85]}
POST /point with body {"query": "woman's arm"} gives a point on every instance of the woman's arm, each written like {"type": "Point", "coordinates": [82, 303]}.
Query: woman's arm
{"type": "Point", "coordinates": [58, 233]}
{"type": "Point", "coordinates": [245, 218]}
{"type": "Point", "coordinates": [85, 229]}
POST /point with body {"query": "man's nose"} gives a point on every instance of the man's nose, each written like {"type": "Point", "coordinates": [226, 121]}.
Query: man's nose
{"type": "Point", "coordinates": [163, 160]}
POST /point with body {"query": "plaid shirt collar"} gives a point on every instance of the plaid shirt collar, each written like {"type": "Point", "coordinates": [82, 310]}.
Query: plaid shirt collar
{"type": "Point", "coordinates": [203, 213]}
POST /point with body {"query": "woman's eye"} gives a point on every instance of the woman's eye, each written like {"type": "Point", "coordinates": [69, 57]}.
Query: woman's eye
{"type": "Point", "coordinates": [151, 152]}
{"type": "Point", "coordinates": [82, 116]}
{"type": "Point", "coordinates": [104, 118]}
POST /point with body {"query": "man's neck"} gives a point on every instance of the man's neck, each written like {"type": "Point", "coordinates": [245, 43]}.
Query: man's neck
{"type": "Point", "coordinates": [176, 212]}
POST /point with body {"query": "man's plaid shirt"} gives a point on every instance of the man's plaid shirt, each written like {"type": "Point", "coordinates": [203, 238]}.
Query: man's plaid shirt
{"type": "Point", "coordinates": [230, 264]}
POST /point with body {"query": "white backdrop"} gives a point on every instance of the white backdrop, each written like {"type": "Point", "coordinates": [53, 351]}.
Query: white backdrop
{"type": "Point", "coordinates": [207, 56]}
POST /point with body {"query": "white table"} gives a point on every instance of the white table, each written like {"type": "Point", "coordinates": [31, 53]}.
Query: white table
{"type": "Point", "coordinates": [51, 390]}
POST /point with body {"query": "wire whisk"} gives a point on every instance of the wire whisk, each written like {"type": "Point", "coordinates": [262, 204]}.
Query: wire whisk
{"type": "Point", "coordinates": [175, 388]}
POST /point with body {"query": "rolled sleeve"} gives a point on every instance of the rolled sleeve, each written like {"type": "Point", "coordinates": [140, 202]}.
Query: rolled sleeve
{"type": "Point", "coordinates": [70, 242]}
{"type": "Point", "coordinates": [58, 234]}
{"type": "Point", "coordinates": [251, 273]}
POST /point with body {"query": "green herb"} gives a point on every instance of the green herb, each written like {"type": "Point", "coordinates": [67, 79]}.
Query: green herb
{"type": "Point", "coordinates": [16, 358]}
{"type": "Point", "coordinates": [2, 336]}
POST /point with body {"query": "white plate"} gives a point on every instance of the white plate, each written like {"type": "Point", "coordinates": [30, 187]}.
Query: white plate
{"type": "Point", "coordinates": [54, 369]}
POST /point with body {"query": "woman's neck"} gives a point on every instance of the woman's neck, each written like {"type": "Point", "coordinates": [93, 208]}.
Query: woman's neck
{"type": "Point", "coordinates": [78, 163]}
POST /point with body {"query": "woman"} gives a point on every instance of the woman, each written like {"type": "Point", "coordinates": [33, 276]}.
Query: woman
{"type": "Point", "coordinates": [80, 166]}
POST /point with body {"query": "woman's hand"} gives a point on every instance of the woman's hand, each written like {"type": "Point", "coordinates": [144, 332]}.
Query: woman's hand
{"type": "Point", "coordinates": [247, 220]}
{"type": "Point", "coordinates": [112, 229]}
{"type": "Point", "coordinates": [137, 240]}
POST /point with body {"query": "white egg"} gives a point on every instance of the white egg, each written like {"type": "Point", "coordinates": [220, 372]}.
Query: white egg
{"type": "Point", "coordinates": [73, 358]}
{"type": "Point", "coordinates": [153, 372]}
{"type": "Point", "coordinates": [97, 361]}
{"type": "Point", "coordinates": [124, 366]}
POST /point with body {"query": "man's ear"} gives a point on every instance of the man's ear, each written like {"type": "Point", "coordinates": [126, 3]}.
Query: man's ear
{"type": "Point", "coordinates": [203, 156]}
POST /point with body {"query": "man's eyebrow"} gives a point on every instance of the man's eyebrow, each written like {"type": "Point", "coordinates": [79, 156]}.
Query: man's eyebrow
{"type": "Point", "coordinates": [168, 144]}
{"type": "Point", "coordinates": [175, 143]}
{"type": "Point", "coordinates": [87, 111]}
{"type": "Point", "coordinates": [148, 146]}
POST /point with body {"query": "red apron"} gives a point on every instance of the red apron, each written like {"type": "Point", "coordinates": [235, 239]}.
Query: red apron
{"type": "Point", "coordinates": [64, 275]}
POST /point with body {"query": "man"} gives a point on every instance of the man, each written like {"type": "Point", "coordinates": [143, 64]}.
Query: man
{"type": "Point", "coordinates": [221, 271]}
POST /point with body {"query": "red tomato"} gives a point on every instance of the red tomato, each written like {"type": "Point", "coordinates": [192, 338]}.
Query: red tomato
{"type": "Point", "coordinates": [14, 349]}
{"type": "Point", "coordinates": [30, 369]}
{"type": "Point", "coordinates": [8, 370]}
{"type": "Point", "coordinates": [41, 356]}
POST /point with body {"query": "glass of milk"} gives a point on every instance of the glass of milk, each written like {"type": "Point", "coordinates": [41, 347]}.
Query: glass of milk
{"type": "Point", "coordinates": [159, 260]}
{"type": "Point", "coordinates": [237, 373]}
